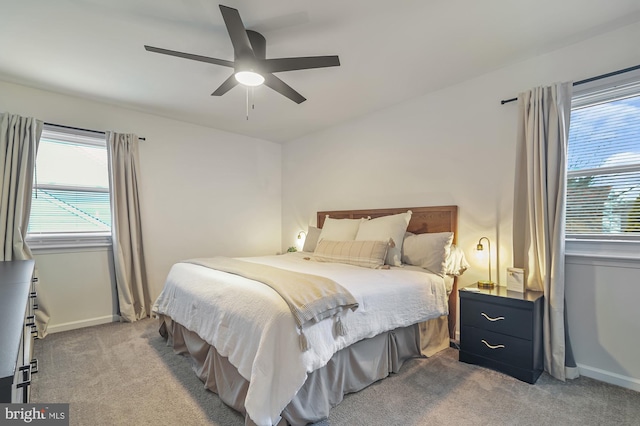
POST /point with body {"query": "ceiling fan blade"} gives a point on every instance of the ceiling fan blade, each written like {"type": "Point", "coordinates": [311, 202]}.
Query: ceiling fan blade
{"type": "Point", "coordinates": [283, 88]}
{"type": "Point", "coordinates": [301, 63]}
{"type": "Point", "coordinates": [237, 31]}
{"type": "Point", "coordinates": [216, 61]}
{"type": "Point", "coordinates": [228, 84]}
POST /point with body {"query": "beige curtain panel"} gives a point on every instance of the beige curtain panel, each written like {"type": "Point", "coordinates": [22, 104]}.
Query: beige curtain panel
{"type": "Point", "coordinates": [19, 139]}
{"type": "Point", "coordinates": [539, 212]}
{"type": "Point", "coordinates": [134, 297]}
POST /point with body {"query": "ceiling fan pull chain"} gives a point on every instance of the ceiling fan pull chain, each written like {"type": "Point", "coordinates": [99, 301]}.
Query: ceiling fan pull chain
{"type": "Point", "coordinates": [253, 97]}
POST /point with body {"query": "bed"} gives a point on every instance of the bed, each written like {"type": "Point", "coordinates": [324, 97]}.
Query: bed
{"type": "Point", "coordinates": [246, 347]}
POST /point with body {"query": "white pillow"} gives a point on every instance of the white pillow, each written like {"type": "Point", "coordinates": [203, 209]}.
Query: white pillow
{"type": "Point", "coordinates": [311, 240]}
{"type": "Point", "coordinates": [384, 228]}
{"type": "Point", "coordinates": [456, 262]}
{"type": "Point", "coordinates": [429, 251]}
{"type": "Point", "coordinates": [340, 229]}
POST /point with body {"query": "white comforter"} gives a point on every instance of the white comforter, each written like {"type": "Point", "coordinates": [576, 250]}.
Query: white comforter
{"type": "Point", "coordinates": [251, 325]}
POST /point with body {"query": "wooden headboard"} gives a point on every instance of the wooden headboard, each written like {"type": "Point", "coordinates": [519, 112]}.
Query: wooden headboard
{"type": "Point", "coordinates": [423, 220]}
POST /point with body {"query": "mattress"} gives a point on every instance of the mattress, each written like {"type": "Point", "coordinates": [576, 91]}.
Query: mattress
{"type": "Point", "coordinates": [249, 324]}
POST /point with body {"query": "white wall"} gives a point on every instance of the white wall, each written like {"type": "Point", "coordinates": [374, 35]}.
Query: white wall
{"type": "Point", "coordinates": [602, 298]}
{"type": "Point", "coordinates": [457, 146]}
{"type": "Point", "coordinates": [77, 287]}
{"type": "Point", "coordinates": [203, 192]}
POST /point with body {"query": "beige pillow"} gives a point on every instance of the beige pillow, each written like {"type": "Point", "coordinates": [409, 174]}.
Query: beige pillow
{"type": "Point", "coordinates": [385, 228]}
{"type": "Point", "coordinates": [369, 254]}
{"type": "Point", "coordinates": [311, 240]}
{"type": "Point", "coordinates": [429, 251]}
{"type": "Point", "coordinates": [340, 229]}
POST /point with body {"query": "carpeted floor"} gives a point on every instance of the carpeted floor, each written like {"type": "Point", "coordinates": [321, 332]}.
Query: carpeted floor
{"type": "Point", "coordinates": [124, 374]}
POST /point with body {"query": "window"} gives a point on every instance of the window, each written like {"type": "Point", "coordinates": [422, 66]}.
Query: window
{"type": "Point", "coordinates": [603, 178]}
{"type": "Point", "coordinates": [70, 201]}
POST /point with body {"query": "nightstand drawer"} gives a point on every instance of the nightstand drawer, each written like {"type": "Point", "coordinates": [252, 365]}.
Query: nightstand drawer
{"type": "Point", "coordinates": [498, 318]}
{"type": "Point", "coordinates": [499, 347]}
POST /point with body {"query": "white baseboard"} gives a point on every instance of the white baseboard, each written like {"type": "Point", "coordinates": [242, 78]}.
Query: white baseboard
{"type": "Point", "coordinates": [609, 377]}
{"type": "Point", "coordinates": [57, 328]}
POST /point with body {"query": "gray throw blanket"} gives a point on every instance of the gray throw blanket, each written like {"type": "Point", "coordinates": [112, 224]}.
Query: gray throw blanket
{"type": "Point", "coordinates": [311, 298]}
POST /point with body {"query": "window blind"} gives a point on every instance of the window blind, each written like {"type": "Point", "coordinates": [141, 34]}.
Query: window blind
{"type": "Point", "coordinates": [69, 211]}
{"type": "Point", "coordinates": [603, 178]}
{"type": "Point", "coordinates": [71, 186]}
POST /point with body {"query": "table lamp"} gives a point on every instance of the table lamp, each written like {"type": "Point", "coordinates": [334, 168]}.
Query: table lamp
{"type": "Point", "coordinates": [485, 284]}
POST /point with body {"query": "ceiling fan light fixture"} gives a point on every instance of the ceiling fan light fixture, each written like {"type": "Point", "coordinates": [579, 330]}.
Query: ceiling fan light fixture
{"type": "Point", "coordinates": [249, 78]}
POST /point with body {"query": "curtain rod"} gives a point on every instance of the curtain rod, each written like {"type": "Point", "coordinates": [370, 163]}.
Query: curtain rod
{"type": "Point", "coordinates": [587, 80]}
{"type": "Point", "coordinates": [81, 129]}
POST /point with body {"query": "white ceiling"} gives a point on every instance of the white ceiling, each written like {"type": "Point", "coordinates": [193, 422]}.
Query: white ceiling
{"type": "Point", "coordinates": [390, 51]}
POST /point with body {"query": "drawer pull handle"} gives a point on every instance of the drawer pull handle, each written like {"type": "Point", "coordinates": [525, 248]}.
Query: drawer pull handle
{"type": "Point", "coordinates": [491, 319]}
{"type": "Point", "coordinates": [24, 384]}
{"type": "Point", "coordinates": [26, 376]}
{"type": "Point", "coordinates": [492, 346]}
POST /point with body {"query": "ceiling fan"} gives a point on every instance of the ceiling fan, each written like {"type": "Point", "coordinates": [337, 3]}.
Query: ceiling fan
{"type": "Point", "coordinates": [251, 68]}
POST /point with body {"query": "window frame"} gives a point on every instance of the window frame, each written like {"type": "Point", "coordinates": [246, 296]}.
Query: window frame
{"type": "Point", "coordinates": [67, 240]}
{"type": "Point", "coordinates": [616, 246]}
